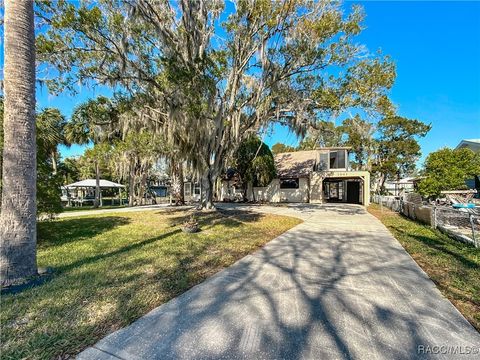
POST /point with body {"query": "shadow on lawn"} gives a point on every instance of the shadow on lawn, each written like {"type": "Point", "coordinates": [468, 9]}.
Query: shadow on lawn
{"type": "Point", "coordinates": [120, 251]}
{"type": "Point", "coordinates": [437, 243]}
{"type": "Point", "coordinates": [208, 219]}
{"type": "Point", "coordinates": [55, 233]}
{"type": "Point", "coordinates": [107, 289]}
{"type": "Point", "coordinates": [91, 226]}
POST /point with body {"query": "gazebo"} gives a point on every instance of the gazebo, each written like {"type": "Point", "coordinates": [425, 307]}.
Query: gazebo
{"type": "Point", "coordinates": [91, 183]}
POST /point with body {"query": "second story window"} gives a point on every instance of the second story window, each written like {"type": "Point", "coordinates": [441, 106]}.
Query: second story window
{"type": "Point", "coordinates": [323, 164]}
{"type": "Point", "coordinates": [338, 159]}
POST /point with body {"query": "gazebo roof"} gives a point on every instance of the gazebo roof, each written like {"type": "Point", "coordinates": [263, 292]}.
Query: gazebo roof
{"type": "Point", "coordinates": [92, 183]}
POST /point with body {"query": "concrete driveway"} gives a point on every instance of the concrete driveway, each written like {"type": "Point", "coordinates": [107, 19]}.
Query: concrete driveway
{"type": "Point", "coordinates": [337, 286]}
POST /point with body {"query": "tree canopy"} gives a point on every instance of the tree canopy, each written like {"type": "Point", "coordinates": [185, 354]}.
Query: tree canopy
{"type": "Point", "coordinates": [447, 169]}
{"type": "Point", "coordinates": [254, 162]}
{"type": "Point", "coordinates": [282, 148]}
{"type": "Point", "coordinates": [398, 148]}
{"type": "Point", "coordinates": [359, 135]}
{"type": "Point", "coordinates": [322, 134]}
{"type": "Point", "coordinates": [289, 62]}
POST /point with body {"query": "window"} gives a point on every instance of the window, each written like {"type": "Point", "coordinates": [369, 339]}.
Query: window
{"type": "Point", "coordinates": [337, 159]}
{"type": "Point", "coordinates": [289, 183]}
{"type": "Point", "coordinates": [187, 189]}
{"type": "Point", "coordinates": [196, 189]}
{"type": "Point", "coordinates": [333, 190]}
{"type": "Point", "coordinates": [323, 164]}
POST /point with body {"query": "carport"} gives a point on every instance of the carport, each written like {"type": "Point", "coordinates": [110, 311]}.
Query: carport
{"type": "Point", "coordinates": [81, 188]}
{"type": "Point", "coordinates": [351, 187]}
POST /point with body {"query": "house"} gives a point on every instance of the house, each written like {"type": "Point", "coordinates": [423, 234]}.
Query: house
{"type": "Point", "coordinates": [472, 144]}
{"type": "Point", "coordinates": [312, 176]}
{"type": "Point", "coordinates": [192, 190]}
{"type": "Point", "coordinates": [404, 185]}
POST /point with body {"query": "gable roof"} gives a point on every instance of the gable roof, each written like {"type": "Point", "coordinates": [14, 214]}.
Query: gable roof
{"type": "Point", "coordinates": [473, 144]}
{"type": "Point", "coordinates": [91, 183]}
{"type": "Point", "coordinates": [296, 164]}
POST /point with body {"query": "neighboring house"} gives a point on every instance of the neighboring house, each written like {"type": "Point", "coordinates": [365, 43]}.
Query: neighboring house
{"type": "Point", "coordinates": [313, 176]}
{"type": "Point", "coordinates": [162, 192]}
{"type": "Point", "coordinates": [404, 185]}
{"type": "Point", "coordinates": [192, 191]}
{"type": "Point", "coordinates": [474, 145]}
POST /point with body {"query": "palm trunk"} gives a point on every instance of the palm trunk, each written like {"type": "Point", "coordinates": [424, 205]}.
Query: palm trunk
{"type": "Point", "coordinates": [18, 221]}
{"type": "Point", "coordinates": [54, 162]}
{"type": "Point", "coordinates": [96, 203]}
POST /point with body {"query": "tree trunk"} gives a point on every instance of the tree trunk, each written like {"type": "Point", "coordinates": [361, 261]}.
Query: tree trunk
{"type": "Point", "coordinates": [54, 162]}
{"type": "Point", "coordinates": [382, 183]}
{"type": "Point", "coordinates": [245, 191]}
{"type": "Point", "coordinates": [177, 182]}
{"type": "Point", "coordinates": [131, 186]}
{"type": "Point", "coordinates": [142, 187]}
{"type": "Point", "coordinates": [96, 203]}
{"type": "Point", "coordinates": [207, 191]}
{"type": "Point", "coordinates": [18, 232]}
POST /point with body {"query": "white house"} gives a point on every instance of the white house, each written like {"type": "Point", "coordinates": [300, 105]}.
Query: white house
{"type": "Point", "coordinates": [312, 176]}
{"type": "Point", "coordinates": [404, 185]}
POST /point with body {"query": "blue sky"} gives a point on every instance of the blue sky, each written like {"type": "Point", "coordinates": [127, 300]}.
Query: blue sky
{"type": "Point", "coordinates": [436, 46]}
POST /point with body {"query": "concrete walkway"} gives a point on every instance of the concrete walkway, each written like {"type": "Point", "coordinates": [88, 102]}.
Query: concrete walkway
{"type": "Point", "coordinates": [337, 286]}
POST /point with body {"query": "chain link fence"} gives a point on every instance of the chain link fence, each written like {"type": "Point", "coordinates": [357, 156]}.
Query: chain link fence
{"type": "Point", "coordinates": [460, 224]}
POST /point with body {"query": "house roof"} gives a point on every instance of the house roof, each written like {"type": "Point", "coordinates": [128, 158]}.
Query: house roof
{"type": "Point", "coordinates": [295, 164]}
{"type": "Point", "coordinates": [473, 144]}
{"type": "Point", "coordinates": [91, 183]}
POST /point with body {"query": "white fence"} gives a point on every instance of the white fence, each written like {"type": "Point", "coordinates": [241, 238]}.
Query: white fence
{"type": "Point", "coordinates": [459, 224]}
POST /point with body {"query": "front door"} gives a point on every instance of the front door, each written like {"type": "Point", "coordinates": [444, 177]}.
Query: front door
{"type": "Point", "coordinates": [353, 192]}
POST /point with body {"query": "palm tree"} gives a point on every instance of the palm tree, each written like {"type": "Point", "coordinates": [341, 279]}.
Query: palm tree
{"type": "Point", "coordinates": [18, 216]}
{"type": "Point", "coordinates": [93, 122]}
{"type": "Point", "coordinates": [50, 133]}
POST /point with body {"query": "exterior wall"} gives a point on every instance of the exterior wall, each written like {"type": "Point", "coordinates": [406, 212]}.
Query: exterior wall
{"type": "Point", "coordinates": [273, 193]}
{"type": "Point", "coordinates": [316, 187]}
{"type": "Point", "coordinates": [189, 192]}
{"type": "Point", "coordinates": [309, 190]}
{"type": "Point", "coordinates": [228, 191]}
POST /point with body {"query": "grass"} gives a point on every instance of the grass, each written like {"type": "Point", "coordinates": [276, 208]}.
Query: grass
{"type": "Point", "coordinates": [452, 265]}
{"type": "Point", "coordinates": [111, 269]}
{"type": "Point", "coordinates": [89, 207]}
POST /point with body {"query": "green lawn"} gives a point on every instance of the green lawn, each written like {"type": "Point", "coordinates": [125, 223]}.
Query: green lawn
{"type": "Point", "coordinates": [90, 207]}
{"type": "Point", "coordinates": [111, 269]}
{"type": "Point", "coordinates": [452, 265]}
